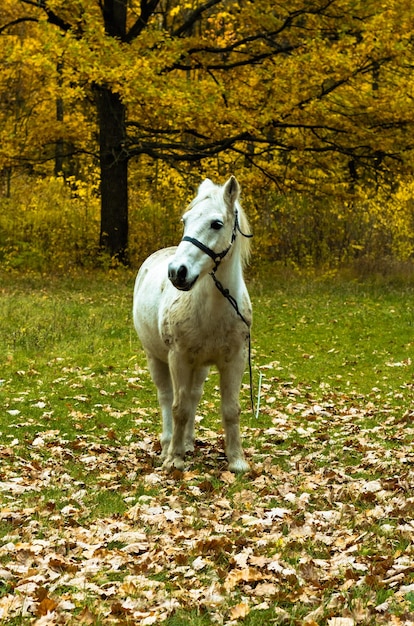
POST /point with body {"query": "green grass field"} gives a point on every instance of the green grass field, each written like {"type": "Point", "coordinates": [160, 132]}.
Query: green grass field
{"type": "Point", "coordinates": [321, 529]}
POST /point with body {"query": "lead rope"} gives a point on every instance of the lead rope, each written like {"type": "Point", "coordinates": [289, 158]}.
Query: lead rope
{"type": "Point", "coordinates": [217, 258]}
{"type": "Point", "coordinates": [233, 302]}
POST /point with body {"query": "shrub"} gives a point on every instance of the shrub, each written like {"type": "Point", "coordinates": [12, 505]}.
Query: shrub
{"type": "Point", "coordinates": [52, 224]}
{"type": "Point", "coordinates": [49, 224]}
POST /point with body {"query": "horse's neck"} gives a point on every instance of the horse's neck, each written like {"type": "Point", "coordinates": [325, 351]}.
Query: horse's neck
{"type": "Point", "coordinates": [230, 275]}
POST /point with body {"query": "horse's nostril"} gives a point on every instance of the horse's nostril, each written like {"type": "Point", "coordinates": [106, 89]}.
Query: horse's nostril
{"type": "Point", "coordinates": [182, 273]}
{"type": "Point", "coordinates": [177, 276]}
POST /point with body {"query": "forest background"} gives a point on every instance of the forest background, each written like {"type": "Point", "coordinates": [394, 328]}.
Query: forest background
{"type": "Point", "coordinates": [113, 111]}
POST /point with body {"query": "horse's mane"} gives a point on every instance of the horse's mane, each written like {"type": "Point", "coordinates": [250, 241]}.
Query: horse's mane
{"type": "Point", "coordinates": [244, 242]}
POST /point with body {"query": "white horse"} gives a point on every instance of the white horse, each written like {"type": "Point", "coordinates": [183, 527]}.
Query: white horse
{"type": "Point", "coordinates": [192, 310]}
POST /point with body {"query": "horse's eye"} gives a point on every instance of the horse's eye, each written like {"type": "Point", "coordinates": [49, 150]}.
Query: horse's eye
{"type": "Point", "coordinates": [216, 225]}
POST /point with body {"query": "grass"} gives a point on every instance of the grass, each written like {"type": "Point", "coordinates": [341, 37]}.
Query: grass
{"type": "Point", "coordinates": [337, 336]}
{"type": "Point", "coordinates": [346, 336]}
{"type": "Point", "coordinates": [329, 500]}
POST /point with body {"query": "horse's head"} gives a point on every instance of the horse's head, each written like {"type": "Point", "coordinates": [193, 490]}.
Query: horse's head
{"type": "Point", "coordinates": [210, 228]}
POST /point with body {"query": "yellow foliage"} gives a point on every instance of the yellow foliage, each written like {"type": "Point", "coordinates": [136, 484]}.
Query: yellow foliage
{"type": "Point", "coordinates": [391, 219]}
{"type": "Point", "coordinates": [49, 225]}
{"type": "Point", "coordinates": [324, 111]}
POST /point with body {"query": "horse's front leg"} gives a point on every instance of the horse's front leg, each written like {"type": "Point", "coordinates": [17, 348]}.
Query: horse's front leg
{"type": "Point", "coordinates": [195, 391]}
{"type": "Point", "coordinates": [182, 411]}
{"type": "Point", "coordinates": [231, 375]}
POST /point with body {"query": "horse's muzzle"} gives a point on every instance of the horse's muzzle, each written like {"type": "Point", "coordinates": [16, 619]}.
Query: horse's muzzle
{"type": "Point", "coordinates": [179, 277]}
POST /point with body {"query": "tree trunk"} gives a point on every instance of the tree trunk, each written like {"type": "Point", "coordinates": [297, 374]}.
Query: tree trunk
{"type": "Point", "coordinates": [112, 154]}
{"type": "Point", "coordinates": [114, 175]}
{"type": "Point", "coordinates": [64, 151]}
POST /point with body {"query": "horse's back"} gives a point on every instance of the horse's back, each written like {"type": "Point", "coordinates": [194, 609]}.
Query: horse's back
{"type": "Point", "coordinates": [151, 285]}
{"type": "Point", "coordinates": [154, 262]}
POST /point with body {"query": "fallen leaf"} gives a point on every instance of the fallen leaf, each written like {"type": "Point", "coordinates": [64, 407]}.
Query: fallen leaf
{"type": "Point", "coordinates": [240, 610]}
{"type": "Point", "coordinates": [227, 477]}
{"type": "Point", "coordinates": [86, 617]}
{"type": "Point", "coordinates": [266, 589]}
{"type": "Point", "coordinates": [249, 574]}
{"type": "Point", "coordinates": [47, 605]}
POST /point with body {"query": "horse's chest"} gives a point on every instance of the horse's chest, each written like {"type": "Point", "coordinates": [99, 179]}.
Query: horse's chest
{"type": "Point", "coordinates": [204, 340]}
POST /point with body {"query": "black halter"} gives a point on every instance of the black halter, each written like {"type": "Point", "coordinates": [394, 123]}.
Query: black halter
{"type": "Point", "coordinates": [217, 258]}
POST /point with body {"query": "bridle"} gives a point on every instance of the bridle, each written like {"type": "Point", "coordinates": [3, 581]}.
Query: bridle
{"type": "Point", "coordinates": [217, 258]}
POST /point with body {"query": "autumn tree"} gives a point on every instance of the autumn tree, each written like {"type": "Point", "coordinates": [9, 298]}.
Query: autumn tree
{"type": "Point", "coordinates": [309, 94]}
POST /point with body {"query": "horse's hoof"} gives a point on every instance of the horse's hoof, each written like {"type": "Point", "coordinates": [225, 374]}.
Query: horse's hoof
{"type": "Point", "coordinates": [239, 466]}
{"type": "Point", "coordinates": [171, 464]}
{"type": "Point", "coordinates": [165, 446]}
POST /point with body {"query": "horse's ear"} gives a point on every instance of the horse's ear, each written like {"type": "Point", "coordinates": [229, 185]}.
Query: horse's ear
{"type": "Point", "coordinates": [231, 190]}
{"type": "Point", "coordinates": [205, 185]}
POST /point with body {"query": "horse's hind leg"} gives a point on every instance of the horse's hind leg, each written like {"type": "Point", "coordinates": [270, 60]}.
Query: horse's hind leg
{"type": "Point", "coordinates": [230, 382]}
{"type": "Point", "coordinates": [160, 374]}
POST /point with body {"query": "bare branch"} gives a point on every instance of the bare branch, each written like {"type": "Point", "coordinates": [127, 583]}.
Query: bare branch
{"type": "Point", "coordinates": [18, 21]}
{"type": "Point", "coordinates": [193, 17]}
{"type": "Point", "coordinates": [52, 17]}
{"type": "Point", "coordinates": [147, 9]}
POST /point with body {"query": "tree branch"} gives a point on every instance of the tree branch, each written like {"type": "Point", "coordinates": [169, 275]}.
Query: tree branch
{"type": "Point", "coordinates": [17, 21]}
{"type": "Point", "coordinates": [176, 151]}
{"type": "Point", "coordinates": [147, 9]}
{"type": "Point", "coordinates": [193, 17]}
{"type": "Point", "coordinates": [52, 17]}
